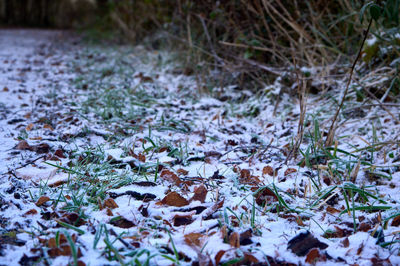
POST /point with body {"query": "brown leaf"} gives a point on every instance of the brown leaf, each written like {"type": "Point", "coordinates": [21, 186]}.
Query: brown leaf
{"type": "Point", "coordinates": [31, 212]}
{"type": "Point", "coordinates": [41, 148]}
{"type": "Point", "coordinates": [265, 196]}
{"type": "Point", "coordinates": [174, 199]}
{"type": "Point", "coordinates": [142, 157]}
{"type": "Point", "coordinates": [59, 153]}
{"type": "Point", "coordinates": [109, 212]}
{"type": "Point", "coordinates": [364, 227]}
{"type": "Point", "coordinates": [213, 154]}
{"type": "Point", "coordinates": [234, 240]}
{"type": "Point", "coordinates": [183, 219]}
{"type": "Point", "coordinates": [289, 171]}
{"type": "Point", "coordinates": [49, 127]}
{"type": "Point", "coordinates": [110, 203]}
{"type": "Point", "coordinates": [331, 210]}
{"type": "Point", "coordinates": [360, 248]}
{"type": "Point", "coordinates": [396, 221]}
{"type": "Point", "coordinates": [345, 242]}
{"type": "Point", "coordinates": [268, 170]}
{"type": "Point", "coordinates": [245, 174]}
{"type": "Point", "coordinates": [170, 176]}
{"type": "Point", "coordinates": [182, 172]}
{"type": "Point", "coordinates": [42, 200]}
{"type": "Point", "coordinates": [29, 127]}
{"type": "Point", "coordinates": [249, 259]}
{"type": "Point", "coordinates": [200, 194]}
{"type": "Point", "coordinates": [122, 222]}
{"type": "Point", "coordinates": [194, 239]}
{"type": "Point", "coordinates": [218, 256]}
{"type": "Point", "coordinates": [23, 145]}
{"type": "Point", "coordinates": [245, 237]}
{"type": "Point", "coordinates": [302, 243]}
{"type": "Point", "coordinates": [313, 256]}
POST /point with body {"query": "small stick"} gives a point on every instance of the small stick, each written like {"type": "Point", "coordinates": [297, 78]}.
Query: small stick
{"type": "Point", "coordinates": [331, 132]}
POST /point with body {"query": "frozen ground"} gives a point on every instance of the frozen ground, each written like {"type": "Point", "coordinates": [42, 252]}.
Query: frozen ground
{"type": "Point", "coordinates": [109, 156]}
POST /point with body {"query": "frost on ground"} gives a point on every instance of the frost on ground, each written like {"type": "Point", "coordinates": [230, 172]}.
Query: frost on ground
{"type": "Point", "coordinates": [110, 156]}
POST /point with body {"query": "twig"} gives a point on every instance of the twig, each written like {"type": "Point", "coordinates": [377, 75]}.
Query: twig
{"type": "Point", "coordinates": [11, 171]}
{"type": "Point", "coordinates": [329, 137]}
{"type": "Point", "coordinates": [219, 59]}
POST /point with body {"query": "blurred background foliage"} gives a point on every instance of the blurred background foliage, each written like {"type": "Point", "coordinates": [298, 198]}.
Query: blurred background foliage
{"type": "Point", "coordinates": [250, 41]}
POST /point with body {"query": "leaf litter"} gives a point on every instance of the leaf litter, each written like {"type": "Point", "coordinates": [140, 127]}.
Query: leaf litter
{"type": "Point", "coordinates": [108, 157]}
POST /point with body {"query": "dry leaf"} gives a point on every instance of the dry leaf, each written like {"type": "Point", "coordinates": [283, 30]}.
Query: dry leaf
{"type": "Point", "coordinates": [265, 196]}
{"type": "Point", "coordinates": [42, 200]}
{"type": "Point", "coordinates": [142, 157]}
{"type": "Point", "coordinates": [59, 153]}
{"type": "Point", "coordinates": [185, 219]}
{"type": "Point", "coordinates": [313, 256]}
{"type": "Point", "coordinates": [182, 172]}
{"type": "Point", "coordinates": [396, 221]}
{"type": "Point", "coordinates": [174, 199]}
{"type": "Point", "coordinates": [200, 194]}
{"type": "Point", "coordinates": [302, 243]}
{"type": "Point", "coordinates": [122, 222]}
{"type": "Point", "coordinates": [268, 170]}
{"type": "Point", "coordinates": [47, 126]}
{"type": "Point", "coordinates": [23, 145]}
{"type": "Point", "coordinates": [218, 256]}
{"type": "Point", "coordinates": [29, 127]}
{"type": "Point", "coordinates": [170, 176]}
{"type": "Point", "coordinates": [331, 210]}
{"type": "Point", "coordinates": [31, 212]}
{"type": "Point", "coordinates": [110, 203]}
{"type": "Point", "coordinates": [345, 242]}
{"type": "Point", "coordinates": [194, 239]}
{"type": "Point", "coordinates": [289, 171]}
{"type": "Point", "coordinates": [234, 240]}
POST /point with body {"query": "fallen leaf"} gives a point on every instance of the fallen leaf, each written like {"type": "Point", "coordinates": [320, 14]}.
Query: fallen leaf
{"type": "Point", "coordinates": [331, 210]}
{"type": "Point", "coordinates": [234, 240]}
{"type": "Point", "coordinates": [170, 176]}
{"type": "Point", "coordinates": [302, 243]}
{"type": "Point", "coordinates": [122, 222]}
{"type": "Point", "coordinates": [182, 172]}
{"type": "Point", "coordinates": [41, 148]}
{"type": "Point", "coordinates": [396, 221]}
{"type": "Point", "coordinates": [194, 239]}
{"type": "Point", "coordinates": [200, 194]}
{"type": "Point", "coordinates": [142, 157]}
{"type": "Point", "coordinates": [174, 199]}
{"type": "Point", "coordinates": [249, 259]}
{"type": "Point", "coordinates": [218, 256]}
{"type": "Point", "coordinates": [49, 127]}
{"type": "Point", "coordinates": [364, 227]}
{"type": "Point", "coordinates": [345, 242]}
{"type": "Point", "coordinates": [184, 219]}
{"type": "Point", "coordinates": [59, 153]}
{"type": "Point", "coordinates": [265, 196]}
{"type": "Point", "coordinates": [29, 127]}
{"type": "Point", "coordinates": [110, 203]}
{"type": "Point", "coordinates": [42, 200]}
{"type": "Point", "coordinates": [245, 237]}
{"type": "Point", "coordinates": [23, 145]}
{"type": "Point", "coordinates": [289, 171]}
{"type": "Point", "coordinates": [268, 170]}
{"type": "Point", "coordinates": [313, 256]}
{"type": "Point", "coordinates": [31, 212]}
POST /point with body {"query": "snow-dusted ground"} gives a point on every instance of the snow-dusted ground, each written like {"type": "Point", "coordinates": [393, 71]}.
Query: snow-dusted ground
{"type": "Point", "coordinates": [106, 150]}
